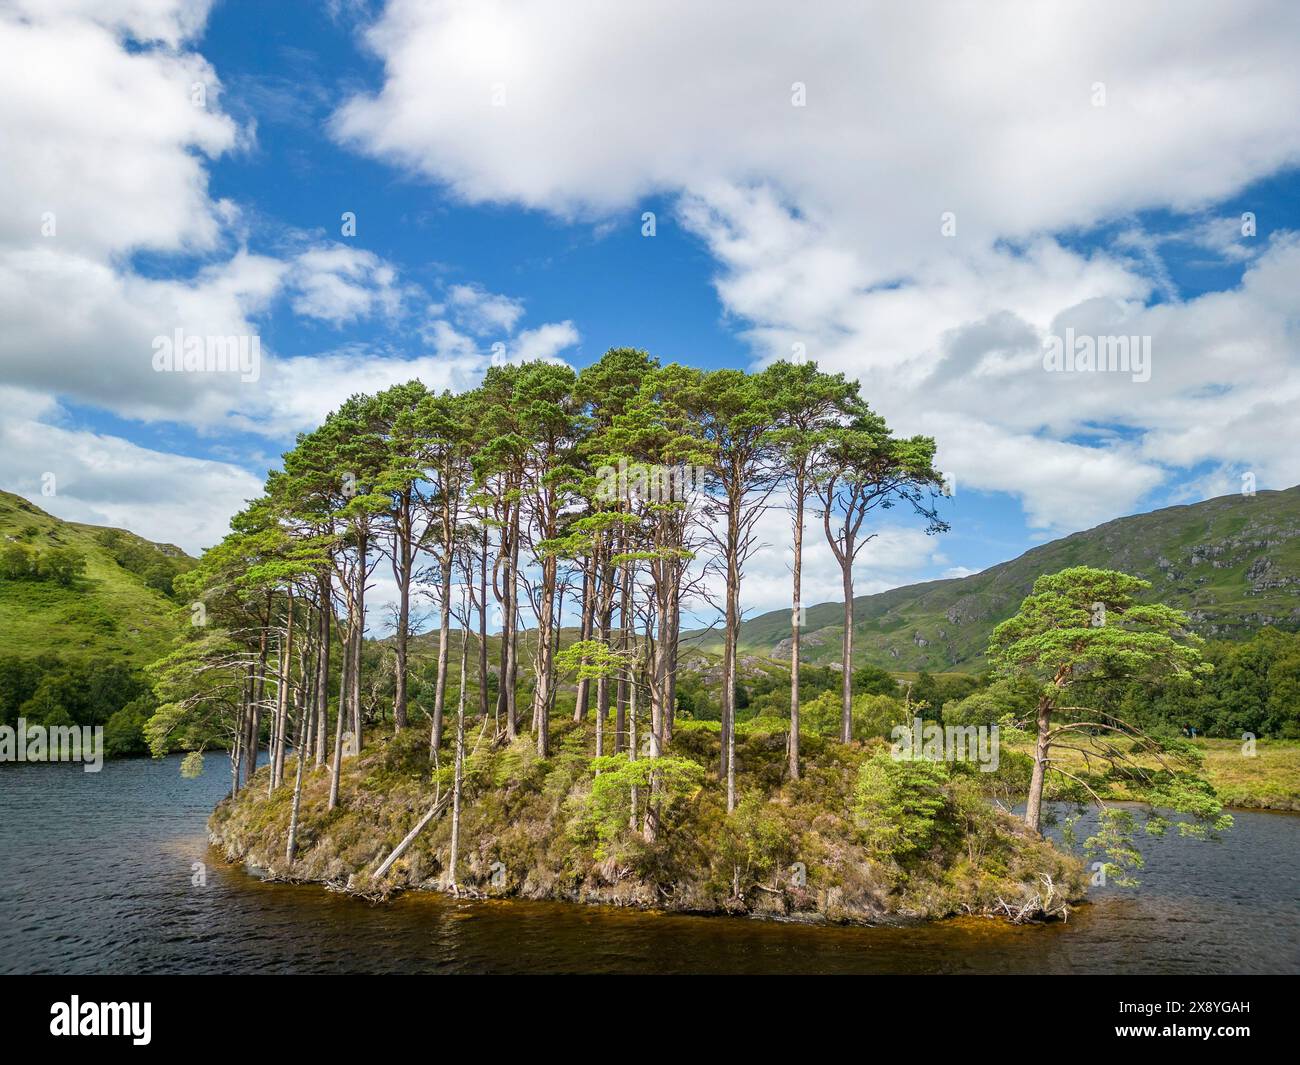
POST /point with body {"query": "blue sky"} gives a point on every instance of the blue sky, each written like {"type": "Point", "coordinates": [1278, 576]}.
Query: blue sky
{"type": "Point", "coordinates": [777, 225]}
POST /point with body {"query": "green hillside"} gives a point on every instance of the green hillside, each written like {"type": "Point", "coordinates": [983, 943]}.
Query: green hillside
{"type": "Point", "coordinates": [116, 612]}
{"type": "Point", "coordinates": [1232, 562]}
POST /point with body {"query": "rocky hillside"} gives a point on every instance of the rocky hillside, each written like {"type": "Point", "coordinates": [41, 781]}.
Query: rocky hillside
{"type": "Point", "coordinates": [1232, 562]}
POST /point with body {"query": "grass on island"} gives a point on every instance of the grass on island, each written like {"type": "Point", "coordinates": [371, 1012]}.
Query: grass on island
{"type": "Point", "coordinates": [859, 838]}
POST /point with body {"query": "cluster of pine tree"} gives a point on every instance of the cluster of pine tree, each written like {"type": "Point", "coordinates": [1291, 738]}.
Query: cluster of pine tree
{"type": "Point", "coordinates": [611, 497]}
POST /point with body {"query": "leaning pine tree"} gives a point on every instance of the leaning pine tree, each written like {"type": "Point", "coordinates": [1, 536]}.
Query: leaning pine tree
{"type": "Point", "coordinates": [1081, 636]}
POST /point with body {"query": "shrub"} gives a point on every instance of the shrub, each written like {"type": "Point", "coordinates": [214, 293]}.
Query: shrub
{"type": "Point", "coordinates": [898, 804]}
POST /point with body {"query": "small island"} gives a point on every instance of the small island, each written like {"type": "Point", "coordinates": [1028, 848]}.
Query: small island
{"type": "Point", "coordinates": [602, 754]}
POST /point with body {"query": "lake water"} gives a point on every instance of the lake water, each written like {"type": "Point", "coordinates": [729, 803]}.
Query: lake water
{"type": "Point", "coordinates": [97, 871]}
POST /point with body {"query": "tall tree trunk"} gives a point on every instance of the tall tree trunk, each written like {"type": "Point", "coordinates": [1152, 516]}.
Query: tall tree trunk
{"type": "Point", "coordinates": [259, 696]}
{"type": "Point", "coordinates": [503, 598]}
{"type": "Point", "coordinates": [728, 754]}
{"type": "Point", "coordinates": [674, 643]}
{"type": "Point", "coordinates": [657, 716]}
{"type": "Point", "coordinates": [1034, 805]}
{"type": "Point", "coordinates": [584, 633]}
{"type": "Point", "coordinates": [512, 670]}
{"type": "Point", "coordinates": [360, 628]}
{"type": "Point", "coordinates": [444, 646]}
{"type": "Point", "coordinates": [606, 624]}
{"type": "Point", "coordinates": [457, 782]}
{"type": "Point", "coordinates": [277, 720]}
{"type": "Point", "coordinates": [401, 638]}
{"type": "Point", "coordinates": [545, 658]}
{"type": "Point", "coordinates": [308, 714]}
{"type": "Point", "coordinates": [796, 629]}
{"type": "Point", "coordinates": [291, 846]}
{"type": "Point", "coordinates": [483, 626]}
{"type": "Point", "coordinates": [846, 681]}
{"type": "Point", "coordinates": [236, 750]}
{"type": "Point", "coordinates": [307, 668]}
{"type": "Point", "coordinates": [631, 746]}
{"type": "Point", "coordinates": [284, 696]}
{"type": "Point", "coordinates": [341, 719]}
{"type": "Point", "coordinates": [729, 701]}
{"type": "Point", "coordinates": [620, 707]}
{"type": "Point", "coordinates": [323, 677]}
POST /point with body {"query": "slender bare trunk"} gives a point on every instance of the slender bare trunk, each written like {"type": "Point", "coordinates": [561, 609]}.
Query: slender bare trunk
{"type": "Point", "coordinates": [584, 633]}
{"type": "Point", "coordinates": [796, 629]}
{"type": "Point", "coordinates": [359, 625]}
{"type": "Point", "coordinates": [1034, 805]}
{"type": "Point", "coordinates": [729, 702]}
{"type": "Point", "coordinates": [728, 753]}
{"type": "Point", "coordinates": [403, 552]}
{"type": "Point", "coordinates": [846, 680]}
{"type": "Point", "coordinates": [285, 700]}
{"type": "Point", "coordinates": [291, 847]}
{"type": "Point", "coordinates": [620, 707]}
{"type": "Point", "coordinates": [512, 671]}
{"type": "Point", "coordinates": [444, 648]}
{"type": "Point", "coordinates": [236, 751]}
{"type": "Point", "coordinates": [602, 682]}
{"type": "Point", "coordinates": [340, 724]}
{"type": "Point", "coordinates": [674, 641]}
{"type": "Point", "coordinates": [259, 695]}
{"type": "Point", "coordinates": [483, 627]}
{"type": "Point", "coordinates": [277, 722]}
{"type": "Point", "coordinates": [545, 659]}
{"type": "Point", "coordinates": [323, 676]}
{"type": "Point", "coordinates": [457, 783]}
{"type": "Point", "coordinates": [631, 747]}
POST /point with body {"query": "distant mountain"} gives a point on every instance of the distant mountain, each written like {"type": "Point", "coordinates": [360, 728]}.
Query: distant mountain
{"type": "Point", "coordinates": [1233, 563]}
{"type": "Point", "coordinates": [117, 612]}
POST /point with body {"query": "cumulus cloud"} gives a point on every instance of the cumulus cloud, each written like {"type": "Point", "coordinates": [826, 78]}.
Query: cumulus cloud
{"type": "Point", "coordinates": [339, 284]}
{"type": "Point", "coordinates": [1015, 124]}
{"type": "Point", "coordinates": [104, 480]}
{"type": "Point", "coordinates": [483, 311]}
{"type": "Point", "coordinates": [109, 159]}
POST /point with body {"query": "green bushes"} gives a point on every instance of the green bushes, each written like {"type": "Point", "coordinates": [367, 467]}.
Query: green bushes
{"type": "Point", "coordinates": [607, 811]}
{"type": "Point", "coordinates": [147, 561]}
{"type": "Point", "coordinates": [47, 690]}
{"type": "Point", "coordinates": [898, 804]}
{"type": "Point", "coordinates": [1015, 699]}
{"type": "Point", "coordinates": [873, 715]}
{"type": "Point", "coordinates": [561, 827]}
{"type": "Point", "coordinates": [62, 565]}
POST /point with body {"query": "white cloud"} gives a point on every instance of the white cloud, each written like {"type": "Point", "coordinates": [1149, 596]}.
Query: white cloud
{"type": "Point", "coordinates": [80, 322]}
{"type": "Point", "coordinates": [105, 138]}
{"type": "Point", "coordinates": [483, 311]}
{"type": "Point", "coordinates": [339, 284]}
{"type": "Point", "coordinates": [825, 219]}
{"type": "Point", "coordinates": [544, 342]}
{"type": "Point", "coordinates": [106, 147]}
{"type": "Point", "coordinates": [105, 480]}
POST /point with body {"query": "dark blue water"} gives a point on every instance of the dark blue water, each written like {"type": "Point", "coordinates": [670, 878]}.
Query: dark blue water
{"type": "Point", "coordinates": [98, 875]}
